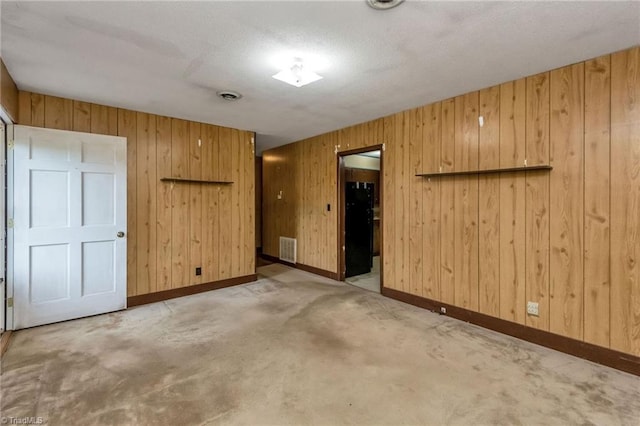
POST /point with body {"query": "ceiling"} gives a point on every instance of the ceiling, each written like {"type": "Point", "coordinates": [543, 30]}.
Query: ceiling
{"type": "Point", "coordinates": [170, 58]}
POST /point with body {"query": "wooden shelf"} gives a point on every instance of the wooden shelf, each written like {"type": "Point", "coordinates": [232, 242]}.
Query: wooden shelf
{"type": "Point", "coordinates": [484, 172]}
{"type": "Point", "coordinates": [184, 180]}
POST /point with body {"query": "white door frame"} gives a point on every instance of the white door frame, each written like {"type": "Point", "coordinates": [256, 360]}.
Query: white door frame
{"type": "Point", "coordinates": [9, 228]}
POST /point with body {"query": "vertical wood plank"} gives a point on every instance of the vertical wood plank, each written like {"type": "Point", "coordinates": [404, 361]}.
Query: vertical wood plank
{"type": "Point", "coordinates": [146, 205]}
{"type": "Point", "coordinates": [447, 204]}
{"type": "Point", "coordinates": [416, 221]}
{"type": "Point", "coordinates": [180, 266]}
{"type": "Point", "coordinates": [597, 124]}
{"type": "Point", "coordinates": [466, 202]}
{"type": "Point", "coordinates": [537, 200]}
{"type": "Point", "coordinates": [431, 134]}
{"type": "Point", "coordinates": [249, 266]}
{"type": "Point", "coordinates": [163, 209]}
{"type": "Point", "coordinates": [567, 201]}
{"type": "Point", "coordinates": [127, 127]}
{"type": "Point", "coordinates": [402, 201]}
{"type": "Point", "coordinates": [210, 226]}
{"type": "Point", "coordinates": [195, 203]}
{"type": "Point", "coordinates": [512, 199]}
{"type": "Point", "coordinates": [225, 166]}
{"type": "Point", "coordinates": [104, 120]}
{"type": "Point", "coordinates": [24, 108]}
{"type": "Point", "coordinates": [58, 113]}
{"type": "Point", "coordinates": [625, 184]}
{"type": "Point", "coordinates": [512, 123]}
{"type": "Point", "coordinates": [389, 219]}
{"type": "Point", "coordinates": [489, 204]}
{"type": "Point", "coordinates": [236, 227]}
{"type": "Point", "coordinates": [81, 116]}
{"type": "Point", "coordinates": [37, 110]}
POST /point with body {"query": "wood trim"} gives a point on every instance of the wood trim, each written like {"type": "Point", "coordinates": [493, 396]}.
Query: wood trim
{"type": "Point", "coordinates": [144, 299]}
{"type": "Point", "coordinates": [341, 210]}
{"type": "Point", "coordinates": [5, 339]}
{"type": "Point", "coordinates": [302, 267]}
{"type": "Point", "coordinates": [609, 357]}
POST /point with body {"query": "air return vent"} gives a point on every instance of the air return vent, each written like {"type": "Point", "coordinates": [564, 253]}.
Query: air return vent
{"type": "Point", "coordinates": [288, 249]}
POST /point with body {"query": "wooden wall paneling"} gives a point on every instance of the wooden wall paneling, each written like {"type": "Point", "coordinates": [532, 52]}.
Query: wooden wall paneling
{"type": "Point", "coordinates": [24, 108]}
{"type": "Point", "coordinates": [258, 201]}
{"type": "Point", "coordinates": [413, 134]}
{"type": "Point", "coordinates": [180, 267]}
{"type": "Point", "coordinates": [512, 123]}
{"type": "Point", "coordinates": [447, 204]}
{"type": "Point", "coordinates": [625, 185]}
{"type": "Point", "coordinates": [8, 93]}
{"type": "Point", "coordinates": [127, 127]}
{"type": "Point", "coordinates": [466, 202]}
{"type": "Point", "coordinates": [163, 204]}
{"type": "Point", "coordinates": [537, 200]}
{"type": "Point", "coordinates": [597, 270]}
{"type": "Point", "coordinates": [104, 120]}
{"type": "Point", "coordinates": [305, 236]}
{"type": "Point", "coordinates": [314, 207]}
{"type": "Point", "coordinates": [146, 203]}
{"type": "Point", "coordinates": [332, 194]}
{"type": "Point", "coordinates": [323, 224]}
{"type": "Point", "coordinates": [567, 201]}
{"type": "Point", "coordinates": [489, 204]}
{"type": "Point", "coordinates": [401, 188]}
{"type": "Point", "coordinates": [58, 113]}
{"type": "Point", "coordinates": [81, 117]}
{"type": "Point", "coordinates": [389, 231]}
{"type": "Point", "coordinates": [512, 199]}
{"type": "Point", "coordinates": [37, 110]}
{"type": "Point", "coordinates": [250, 205]}
{"type": "Point", "coordinates": [195, 203]}
{"type": "Point", "coordinates": [210, 224]}
{"type": "Point", "coordinates": [431, 135]}
{"type": "Point", "coordinates": [225, 165]}
{"type": "Point", "coordinates": [236, 205]}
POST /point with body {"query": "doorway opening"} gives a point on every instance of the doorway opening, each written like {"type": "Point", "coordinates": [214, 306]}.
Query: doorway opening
{"type": "Point", "coordinates": [360, 219]}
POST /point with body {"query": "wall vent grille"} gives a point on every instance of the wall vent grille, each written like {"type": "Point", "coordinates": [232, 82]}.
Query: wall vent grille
{"type": "Point", "coordinates": [288, 249]}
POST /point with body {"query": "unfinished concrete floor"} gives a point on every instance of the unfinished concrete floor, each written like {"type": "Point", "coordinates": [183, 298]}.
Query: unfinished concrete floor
{"type": "Point", "coordinates": [295, 348]}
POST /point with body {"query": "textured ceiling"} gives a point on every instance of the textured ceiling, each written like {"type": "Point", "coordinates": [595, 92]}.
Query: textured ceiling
{"type": "Point", "coordinates": [171, 57]}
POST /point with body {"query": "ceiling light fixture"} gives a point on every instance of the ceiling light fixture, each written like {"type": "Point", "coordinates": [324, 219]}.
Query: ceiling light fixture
{"type": "Point", "coordinates": [297, 74]}
{"type": "Point", "coordinates": [383, 4]}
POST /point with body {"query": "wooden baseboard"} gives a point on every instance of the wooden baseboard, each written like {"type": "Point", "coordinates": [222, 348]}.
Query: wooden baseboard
{"type": "Point", "coordinates": [609, 357]}
{"type": "Point", "coordinates": [4, 341]}
{"type": "Point", "coordinates": [143, 299]}
{"type": "Point", "coordinates": [303, 267]}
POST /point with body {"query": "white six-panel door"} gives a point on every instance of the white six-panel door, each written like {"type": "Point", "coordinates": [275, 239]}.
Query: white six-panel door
{"type": "Point", "coordinates": [69, 225]}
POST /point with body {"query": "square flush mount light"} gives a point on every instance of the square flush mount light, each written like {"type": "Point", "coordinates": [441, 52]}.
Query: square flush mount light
{"type": "Point", "coordinates": [297, 74]}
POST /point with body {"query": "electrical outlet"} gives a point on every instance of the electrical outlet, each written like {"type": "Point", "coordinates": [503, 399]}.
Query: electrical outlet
{"type": "Point", "coordinates": [198, 271]}
{"type": "Point", "coordinates": [532, 308]}
{"type": "Point", "coordinates": [443, 310]}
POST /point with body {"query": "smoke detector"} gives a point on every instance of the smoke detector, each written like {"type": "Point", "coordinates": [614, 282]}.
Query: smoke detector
{"type": "Point", "coordinates": [229, 95]}
{"type": "Point", "coordinates": [383, 4]}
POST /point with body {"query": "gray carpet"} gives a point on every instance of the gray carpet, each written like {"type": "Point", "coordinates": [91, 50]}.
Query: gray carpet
{"type": "Point", "coordinates": [295, 348]}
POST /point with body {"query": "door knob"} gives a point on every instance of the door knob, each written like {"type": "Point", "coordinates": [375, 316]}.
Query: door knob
{"type": "Point", "coordinates": [120, 234]}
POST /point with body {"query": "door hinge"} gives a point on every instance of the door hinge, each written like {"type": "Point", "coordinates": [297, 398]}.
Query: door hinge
{"type": "Point", "coordinates": [10, 223]}
{"type": "Point", "coordinates": [10, 143]}
{"type": "Point", "coordinates": [10, 302]}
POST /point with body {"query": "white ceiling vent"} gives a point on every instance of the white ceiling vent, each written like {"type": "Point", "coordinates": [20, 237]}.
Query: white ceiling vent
{"type": "Point", "coordinates": [228, 95]}
{"type": "Point", "coordinates": [383, 4]}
